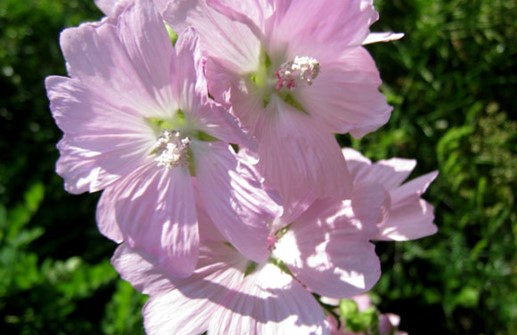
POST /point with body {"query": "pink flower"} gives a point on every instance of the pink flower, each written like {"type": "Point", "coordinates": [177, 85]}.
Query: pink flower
{"type": "Point", "coordinates": [405, 215]}
{"type": "Point", "coordinates": [294, 72]}
{"type": "Point", "coordinates": [138, 123]}
{"type": "Point", "coordinates": [326, 250]}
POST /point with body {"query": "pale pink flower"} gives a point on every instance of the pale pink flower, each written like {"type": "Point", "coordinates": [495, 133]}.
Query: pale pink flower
{"type": "Point", "coordinates": [138, 123]}
{"type": "Point", "coordinates": [326, 250]}
{"type": "Point", "coordinates": [405, 215]}
{"type": "Point", "coordinates": [295, 73]}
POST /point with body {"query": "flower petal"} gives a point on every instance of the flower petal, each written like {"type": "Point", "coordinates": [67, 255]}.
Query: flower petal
{"type": "Point", "coordinates": [269, 301]}
{"type": "Point", "coordinates": [202, 113]}
{"type": "Point", "coordinates": [416, 186]}
{"type": "Point", "coordinates": [328, 250]}
{"type": "Point", "coordinates": [125, 58]}
{"type": "Point", "coordinates": [300, 160]}
{"type": "Point", "coordinates": [300, 25]}
{"type": "Point", "coordinates": [194, 300]}
{"type": "Point", "coordinates": [234, 44]}
{"type": "Point", "coordinates": [345, 95]}
{"type": "Point", "coordinates": [155, 211]}
{"type": "Point", "coordinates": [101, 143]}
{"type": "Point", "coordinates": [239, 207]}
{"type": "Point", "coordinates": [411, 220]}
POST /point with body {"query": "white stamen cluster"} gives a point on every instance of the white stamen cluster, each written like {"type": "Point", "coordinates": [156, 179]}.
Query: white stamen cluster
{"type": "Point", "coordinates": [171, 149]}
{"type": "Point", "coordinates": [302, 68]}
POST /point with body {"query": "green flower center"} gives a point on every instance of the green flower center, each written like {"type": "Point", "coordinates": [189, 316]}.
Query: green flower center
{"type": "Point", "coordinates": [282, 80]}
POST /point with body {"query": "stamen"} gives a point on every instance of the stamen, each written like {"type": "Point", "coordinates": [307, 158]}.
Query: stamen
{"type": "Point", "coordinates": [301, 69]}
{"type": "Point", "coordinates": [171, 149]}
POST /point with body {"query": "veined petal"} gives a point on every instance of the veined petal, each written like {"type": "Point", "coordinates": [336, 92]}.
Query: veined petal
{"type": "Point", "coordinates": [249, 13]}
{"type": "Point", "coordinates": [140, 271]}
{"type": "Point", "coordinates": [410, 217]}
{"type": "Point", "coordinates": [240, 47]}
{"type": "Point", "coordinates": [124, 57]}
{"type": "Point", "coordinates": [345, 96]}
{"type": "Point", "coordinates": [194, 300]}
{"type": "Point", "coordinates": [299, 159]}
{"type": "Point", "coordinates": [329, 252]}
{"type": "Point", "coordinates": [106, 215]}
{"type": "Point", "coordinates": [239, 207]}
{"type": "Point", "coordinates": [410, 220]}
{"type": "Point", "coordinates": [101, 142]}
{"type": "Point", "coordinates": [417, 186]}
{"type": "Point", "coordinates": [391, 173]}
{"type": "Point", "coordinates": [299, 24]}
{"type": "Point", "coordinates": [371, 203]}
{"type": "Point", "coordinates": [155, 211]}
{"type": "Point", "coordinates": [269, 301]}
{"type": "Point", "coordinates": [80, 170]}
{"type": "Point", "coordinates": [202, 113]}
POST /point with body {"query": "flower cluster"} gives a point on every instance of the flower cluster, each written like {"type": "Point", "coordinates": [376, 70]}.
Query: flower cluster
{"type": "Point", "coordinates": [209, 126]}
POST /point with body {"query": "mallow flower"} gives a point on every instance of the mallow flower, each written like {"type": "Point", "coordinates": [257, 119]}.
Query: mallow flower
{"type": "Point", "coordinates": [325, 250]}
{"type": "Point", "coordinates": [294, 73]}
{"type": "Point", "coordinates": [405, 216]}
{"type": "Point", "coordinates": [138, 124]}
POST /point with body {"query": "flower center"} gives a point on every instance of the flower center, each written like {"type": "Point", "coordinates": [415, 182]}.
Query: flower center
{"type": "Point", "coordinates": [302, 69]}
{"type": "Point", "coordinates": [171, 149]}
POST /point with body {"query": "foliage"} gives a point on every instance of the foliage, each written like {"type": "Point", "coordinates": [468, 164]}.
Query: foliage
{"type": "Point", "coordinates": [451, 81]}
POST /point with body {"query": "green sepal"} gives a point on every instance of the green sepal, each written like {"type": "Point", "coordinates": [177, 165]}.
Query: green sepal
{"type": "Point", "coordinates": [250, 268]}
{"type": "Point", "coordinates": [172, 34]}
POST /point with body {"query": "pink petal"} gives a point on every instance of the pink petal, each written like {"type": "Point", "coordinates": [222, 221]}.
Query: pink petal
{"type": "Point", "coordinates": [194, 300]}
{"type": "Point", "coordinates": [106, 215]}
{"type": "Point", "coordinates": [202, 113]}
{"type": "Point", "coordinates": [124, 58]}
{"type": "Point", "coordinates": [391, 173]}
{"type": "Point", "coordinates": [345, 95]}
{"type": "Point", "coordinates": [300, 26]}
{"type": "Point", "coordinates": [269, 302]}
{"type": "Point", "coordinates": [140, 271]}
{"type": "Point", "coordinates": [221, 36]}
{"type": "Point", "coordinates": [408, 221]}
{"type": "Point", "coordinates": [410, 217]}
{"type": "Point", "coordinates": [237, 206]}
{"type": "Point", "coordinates": [298, 158]}
{"type": "Point", "coordinates": [371, 203]}
{"type": "Point", "coordinates": [251, 14]}
{"type": "Point", "coordinates": [416, 186]}
{"type": "Point", "coordinates": [80, 170]}
{"type": "Point", "coordinates": [155, 210]}
{"type": "Point", "coordinates": [330, 253]}
{"type": "Point", "coordinates": [101, 143]}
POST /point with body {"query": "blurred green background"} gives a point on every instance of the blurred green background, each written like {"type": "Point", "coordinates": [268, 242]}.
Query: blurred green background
{"type": "Point", "coordinates": [453, 83]}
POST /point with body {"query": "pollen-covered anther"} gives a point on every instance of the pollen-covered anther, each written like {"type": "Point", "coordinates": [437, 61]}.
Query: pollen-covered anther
{"type": "Point", "coordinates": [171, 149]}
{"type": "Point", "coordinates": [301, 69]}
